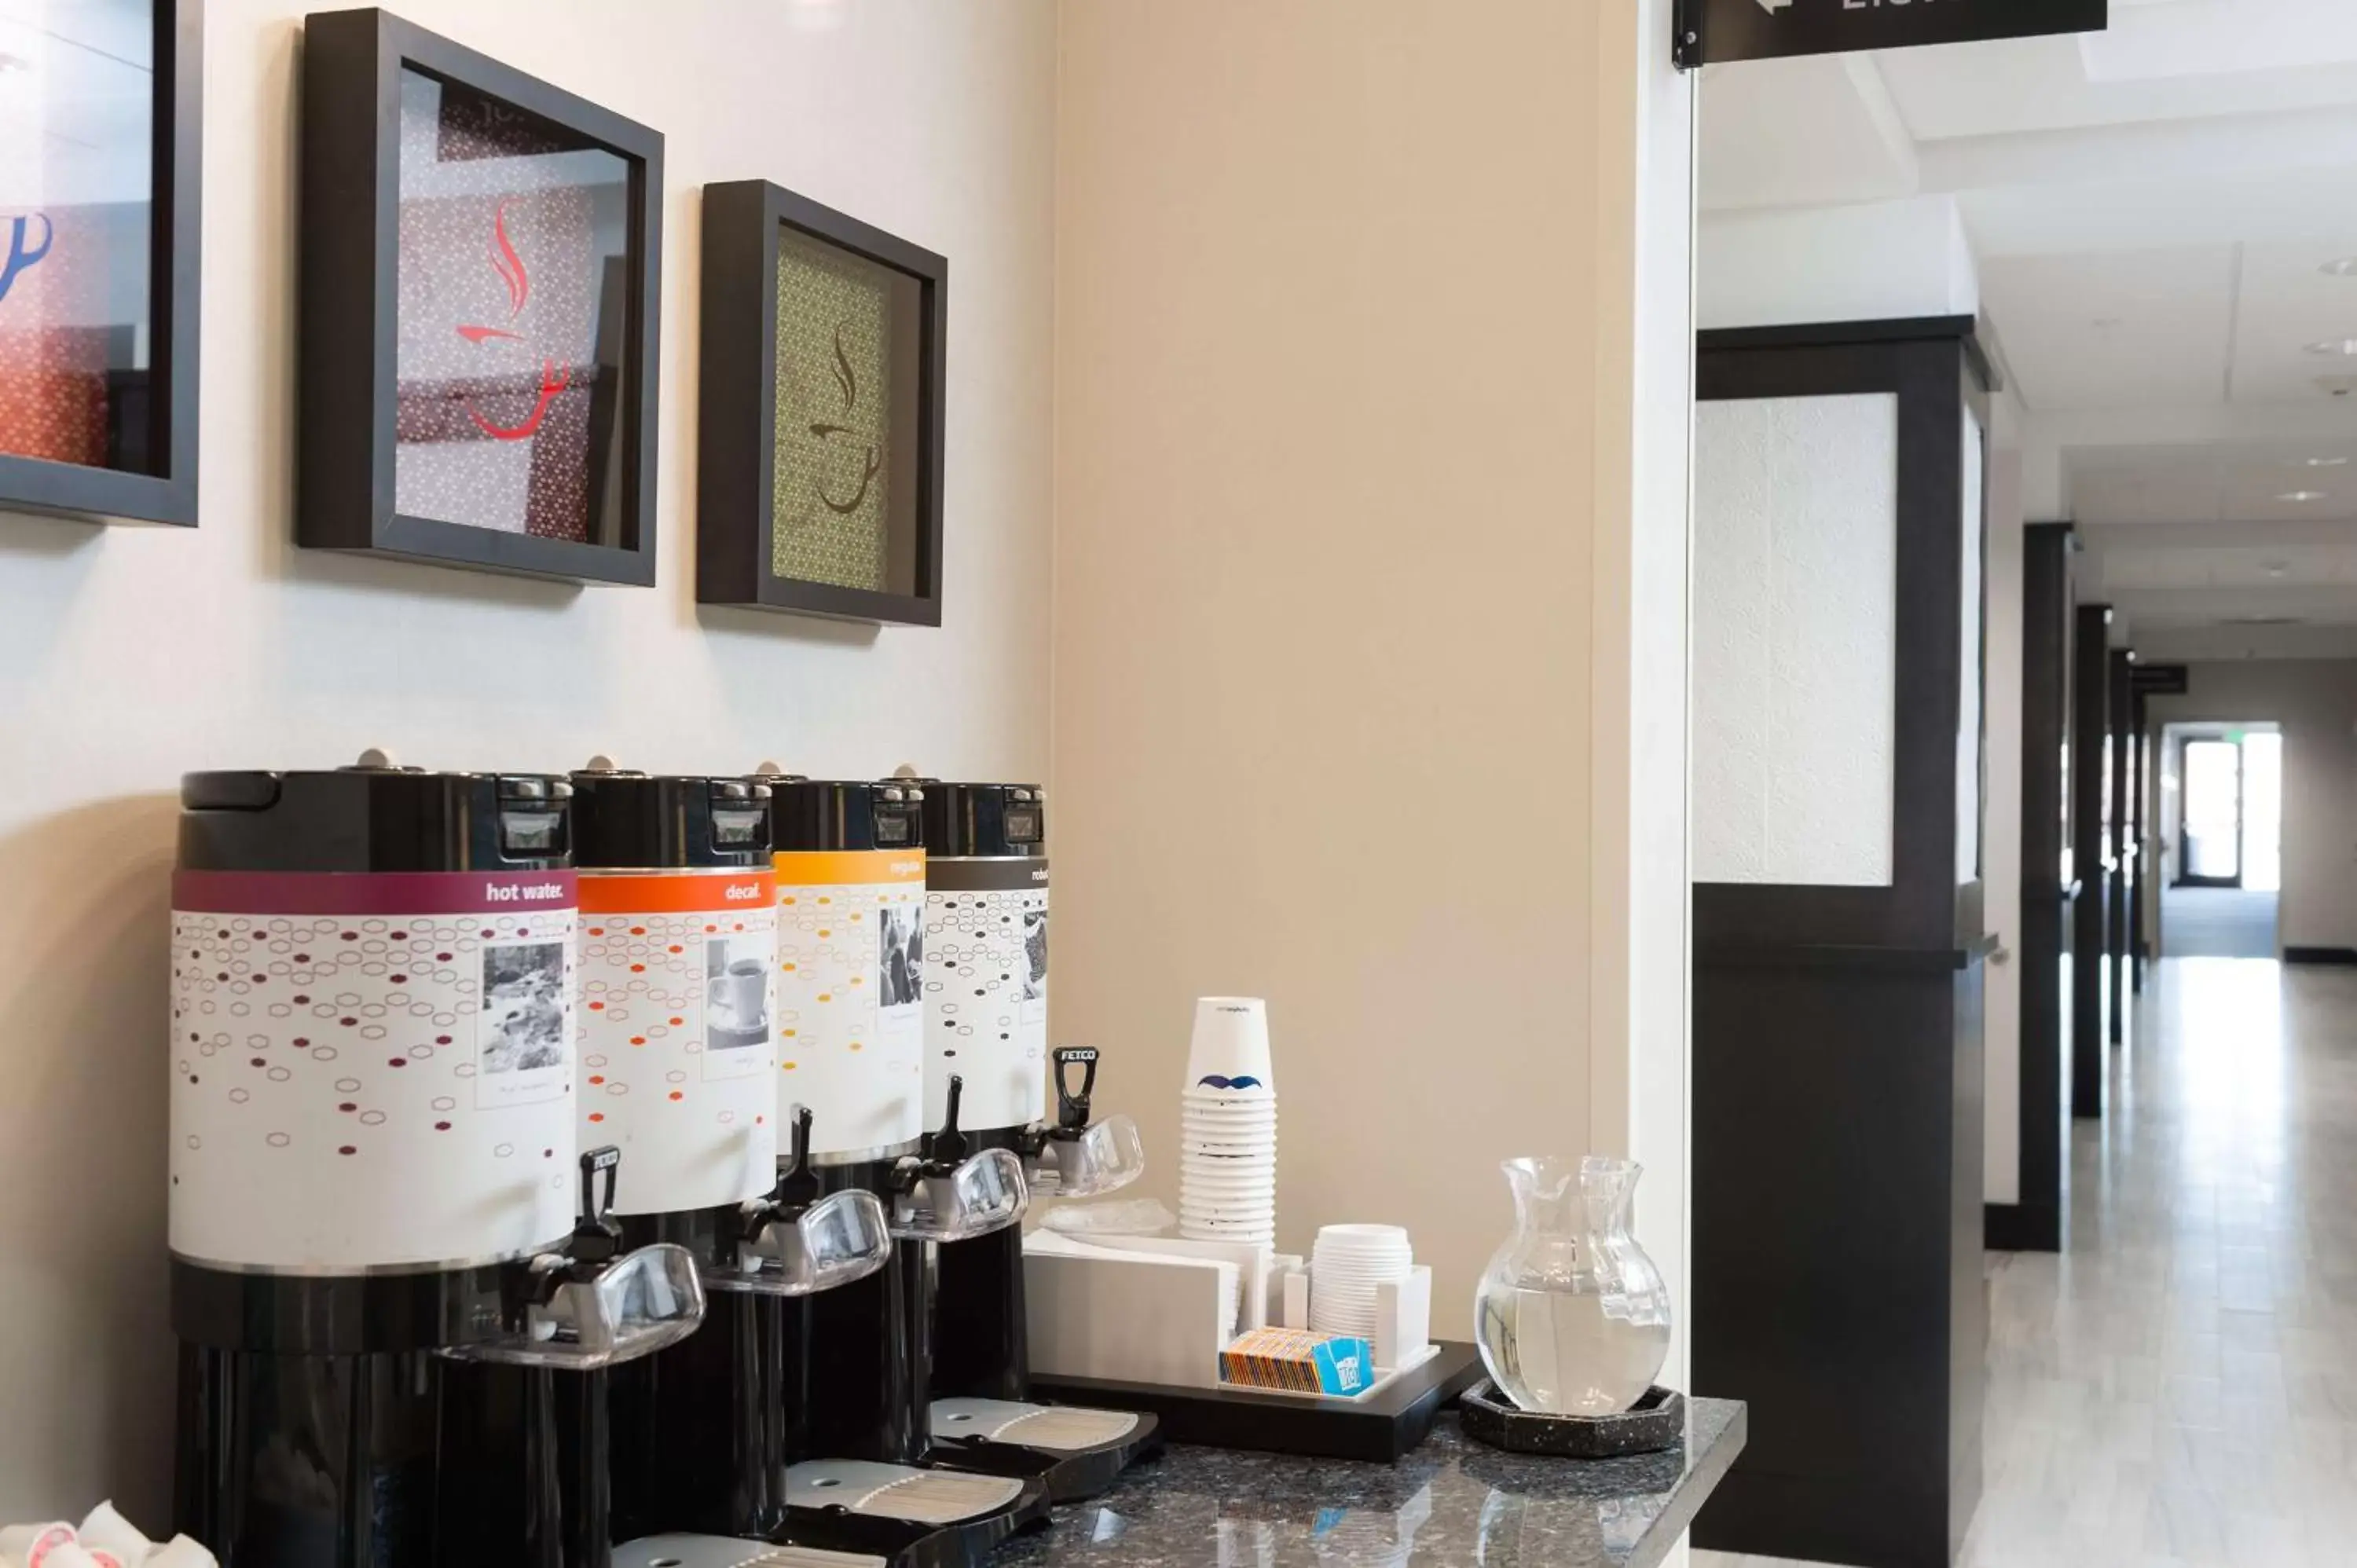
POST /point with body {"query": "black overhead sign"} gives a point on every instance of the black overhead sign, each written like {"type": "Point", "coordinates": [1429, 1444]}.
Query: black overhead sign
{"type": "Point", "coordinates": [1710, 31]}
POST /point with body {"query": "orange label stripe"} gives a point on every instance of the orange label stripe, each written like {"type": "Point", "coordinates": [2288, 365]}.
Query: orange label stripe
{"type": "Point", "coordinates": [849, 867]}
{"type": "Point", "coordinates": [675, 893]}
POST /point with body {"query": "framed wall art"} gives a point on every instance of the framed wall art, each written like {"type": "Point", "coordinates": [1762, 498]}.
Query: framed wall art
{"type": "Point", "coordinates": [818, 477]}
{"type": "Point", "coordinates": [481, 267]}
{"type": "Point", "coordinates": [101, 154]}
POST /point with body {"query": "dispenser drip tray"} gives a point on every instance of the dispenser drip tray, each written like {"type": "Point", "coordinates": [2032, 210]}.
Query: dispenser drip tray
{"type": "Point", "coordinates": [1060, 1429]}
{"type": "Point", "coordinates": [722, 1551]}
{"type": "Point", "coordinates": [895, 1491]}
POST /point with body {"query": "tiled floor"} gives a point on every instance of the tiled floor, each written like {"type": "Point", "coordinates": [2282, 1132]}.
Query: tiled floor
{"type": "Point", "coordinates": [2181, 1386]}
{"type": "Point", "coordinates": [2217, 923]}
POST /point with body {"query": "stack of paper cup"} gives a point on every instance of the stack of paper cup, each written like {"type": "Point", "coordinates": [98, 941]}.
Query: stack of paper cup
{"type": "Point", "coordinates": [1345, 1266]}
{"type": "Point", "coordinates": [1227, 1157]}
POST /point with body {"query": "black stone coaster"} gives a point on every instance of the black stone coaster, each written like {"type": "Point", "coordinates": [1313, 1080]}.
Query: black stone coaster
{"type": "Point", "coordinates": [1655, 1423]}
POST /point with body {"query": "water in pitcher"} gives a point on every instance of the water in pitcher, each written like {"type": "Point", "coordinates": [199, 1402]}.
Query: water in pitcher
{"type": "Point", "coordinates": [1561, 1354]}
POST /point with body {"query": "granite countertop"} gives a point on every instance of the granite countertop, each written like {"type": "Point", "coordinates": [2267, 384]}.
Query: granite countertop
{"type": "Point", "coordinates": [1450, 1502]}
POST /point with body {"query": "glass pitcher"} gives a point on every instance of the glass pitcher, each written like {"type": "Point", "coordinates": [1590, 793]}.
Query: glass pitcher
{"type": "Point", "coordinates": [1572, 1317]}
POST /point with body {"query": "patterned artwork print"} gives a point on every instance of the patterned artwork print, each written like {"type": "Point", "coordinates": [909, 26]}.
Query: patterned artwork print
{"type": "Point", "coordinates": [512, 254]}
{"type": "Point", "coordinates": [74, 202]}
{"type": "Point", "coordinates": [830, 502]}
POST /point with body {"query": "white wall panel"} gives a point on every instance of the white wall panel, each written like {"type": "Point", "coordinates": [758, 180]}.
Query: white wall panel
{"type": "Point", "coordinates": [1795, 618]}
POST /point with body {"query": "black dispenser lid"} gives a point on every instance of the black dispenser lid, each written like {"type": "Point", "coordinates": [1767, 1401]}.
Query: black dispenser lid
{"type": "Point", "coordinates": [996, 821]}
{"type": "Point", "coordinates": [374, 817]}
{"type": "Point", "coordinates": [842, 813]}
{"type": "Point", "coordinates": [636, 821]}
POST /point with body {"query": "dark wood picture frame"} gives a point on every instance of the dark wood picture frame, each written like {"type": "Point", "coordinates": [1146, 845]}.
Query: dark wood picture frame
{"type": "Point", "coordinates": [176, 235]}
{"type": "Point", "coordinates": [353, 62]}
{"type": "Point", "coordinates": [735, 482]}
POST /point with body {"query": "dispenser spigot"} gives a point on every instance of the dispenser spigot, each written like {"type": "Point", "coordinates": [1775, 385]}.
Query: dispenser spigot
{"type": "Point", "coordinates": [597, 1235]}
{"type": "Point", "coordinates": [797, 1183]}
{"type": "Point", "coordinates": [1072, 1108]}
{"type": "Point", "coordinates": [1078, 1157]}
{"type": "Point", "coordinates": [949, 1192]}
{"type": "Point", "coordinates": [948, 1145]}
{"type": "Point", "coordinates": [597, 1239]}
{"type": "Point", "coordinates": [588, 1303]}
{"type": "Point", "coordinates": [800, 1239]}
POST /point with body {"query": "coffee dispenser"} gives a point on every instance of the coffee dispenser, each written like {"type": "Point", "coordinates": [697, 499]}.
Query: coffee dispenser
{"type": "Point", "coordinates": [986, 1027]}
{"type": "Point", "coordinates": [394, 1279]}
{"type": "Point", "coordinates": [855, 1362]}
{"type": "Point", "coordinates": [680, 1035]}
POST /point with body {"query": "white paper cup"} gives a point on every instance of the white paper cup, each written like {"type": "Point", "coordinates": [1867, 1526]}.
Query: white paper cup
{"type": "Point", "coordinates": [1201, 1168]}
{"type": "Point", "coordinates": [1231, 1041]}
{"type": "Point", "coordinates": [1234, 1193]}
{"type": "Point", "coordinates": [1241, 1189]}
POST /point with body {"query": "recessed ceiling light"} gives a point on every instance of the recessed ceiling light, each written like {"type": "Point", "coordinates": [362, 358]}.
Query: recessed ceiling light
{"type": "Point", "coordinates": [9, 62]}
{"type": "Point", "coordinates": [2278, 569]}
{"type": "Point", "coordinates": [2303, 496]}
{"type": "Point", "coordinates": [2346, 267]}
{"type": "Point", "coordinates": [2324, 462]}
{"type": "Point", "coordinates": [2342, 348]}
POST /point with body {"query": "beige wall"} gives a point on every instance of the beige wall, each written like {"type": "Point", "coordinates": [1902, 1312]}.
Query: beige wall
{"type": "Point", "coordinates": [2315, 702]}
{"type": "Point", "coordinates": [128, 655]}
{"type": "Point", "coordinates": [1347, 679]}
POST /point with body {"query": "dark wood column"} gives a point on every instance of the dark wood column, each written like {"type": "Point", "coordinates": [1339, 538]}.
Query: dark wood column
{"type": "Point", "coordinates": [2119, 811]}
{"type": "Point", "coordinates": [2050, 888]}
{"type": "Point", "coordinates": [2091, 724]}
{"type": "Point", "coordinates": [1837, 1179]}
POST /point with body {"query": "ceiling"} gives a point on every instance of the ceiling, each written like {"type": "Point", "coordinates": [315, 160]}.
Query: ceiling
{"type": "Point", "coordinates": [2151, 211]}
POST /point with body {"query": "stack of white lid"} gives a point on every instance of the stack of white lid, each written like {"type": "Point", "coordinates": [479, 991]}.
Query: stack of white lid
{"type": "Point", "coordinates": [1346, 1265]}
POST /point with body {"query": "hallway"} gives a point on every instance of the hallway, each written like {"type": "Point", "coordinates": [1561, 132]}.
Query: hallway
{"type": "Point", "coordinates": [2180, 1387]}
{"type": "Point", "coordinates": [2218, 922]}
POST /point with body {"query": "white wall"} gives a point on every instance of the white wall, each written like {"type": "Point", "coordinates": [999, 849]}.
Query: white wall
{"type": "Point", "coordinates": [1369, 586]}
{"type": "Point", "coordinates": [128, 655]}
{"type": "Point", "coordinates": [2001, 856]}
{"type": "Point", "coordinates": [2315, 703]}
{"type": "Point", "coordinates": [1872, 260]}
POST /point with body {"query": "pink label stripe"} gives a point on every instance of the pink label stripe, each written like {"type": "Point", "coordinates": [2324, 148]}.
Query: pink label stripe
{"type": "Point", "coordinates": [383, 893]}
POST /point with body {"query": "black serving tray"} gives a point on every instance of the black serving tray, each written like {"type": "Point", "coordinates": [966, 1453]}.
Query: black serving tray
{"type": "Point", "coordinates": [1655, 1423]}
{"type": "Point", "coordinates": [1384, 1427]}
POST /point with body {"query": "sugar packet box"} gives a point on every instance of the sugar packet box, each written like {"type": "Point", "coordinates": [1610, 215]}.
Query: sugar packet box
{"type": "Point", "coordinates": [1298, 1361]}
